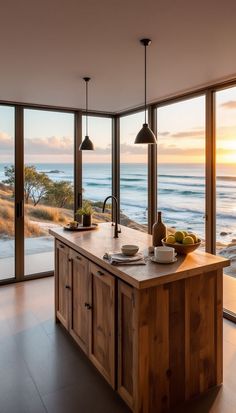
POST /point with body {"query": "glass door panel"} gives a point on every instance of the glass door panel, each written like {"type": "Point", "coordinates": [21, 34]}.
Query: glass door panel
{"type": "Point", "coordinates": [181, 165]}
{"type": "Point", "coordinates": [133, 174]}
{"type": "Point", "coordinates": [48, 183]}
{"type": "Point", "coordinates": [226, 189]}
{"type": "Point", "coordinates": [97, 166]}
{"type": "Point", "coordinates": [7, 197]}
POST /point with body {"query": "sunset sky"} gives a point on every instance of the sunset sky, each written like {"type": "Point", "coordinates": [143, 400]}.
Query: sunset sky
{"type": "Point", "coordinates": [181, 134]}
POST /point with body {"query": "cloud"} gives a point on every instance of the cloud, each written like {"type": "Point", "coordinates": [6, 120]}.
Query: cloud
{"type": "Point", "coordinates": [231, 104]}
{"type": "Point", "coordinates": [133, 149]}
{"type": "Point", "coordinates": [102, 151]}
{"type": "Point", "coordinates": [165, 133]}
{"type": "Point", "coordinates": [51, 145]}
{"type": "Point", "coordinates": [189, 134]}
{"type": "Point", "coordinates": [6, 142]}
{"type": "Point", "coordinates": [174, 150]}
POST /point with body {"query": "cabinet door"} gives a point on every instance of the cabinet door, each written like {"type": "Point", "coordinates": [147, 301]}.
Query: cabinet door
{"type": "Point", "coordinates": [126, 342]}
{"type": "Point", "coordinates": [80, 299]}
{"type": "Point", "coordinates": [102, 320]}
{"type": "Point", "coordinates": [62, 283]}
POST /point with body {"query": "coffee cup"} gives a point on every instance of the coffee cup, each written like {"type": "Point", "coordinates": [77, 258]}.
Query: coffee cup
{"type": "Point", "coordinates": [164, 253]}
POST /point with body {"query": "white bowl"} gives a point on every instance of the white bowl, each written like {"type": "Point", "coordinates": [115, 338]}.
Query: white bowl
{"type": "Point", "coordinates": [129, 249]}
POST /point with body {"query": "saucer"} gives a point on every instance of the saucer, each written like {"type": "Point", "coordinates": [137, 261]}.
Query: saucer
{"type": "Point", "coordinates": [153, 259]}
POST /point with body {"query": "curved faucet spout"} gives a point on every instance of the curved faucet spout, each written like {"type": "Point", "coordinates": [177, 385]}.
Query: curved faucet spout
{"type": "Point", "coordinates": [116, 230]}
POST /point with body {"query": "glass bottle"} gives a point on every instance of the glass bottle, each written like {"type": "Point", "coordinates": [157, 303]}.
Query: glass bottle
{"type": "Point", "coordinates": [158, 231]}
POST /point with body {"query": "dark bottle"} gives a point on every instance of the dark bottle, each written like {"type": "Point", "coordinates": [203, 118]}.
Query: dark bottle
{"type": "Point", "coordinates": [158, 231]}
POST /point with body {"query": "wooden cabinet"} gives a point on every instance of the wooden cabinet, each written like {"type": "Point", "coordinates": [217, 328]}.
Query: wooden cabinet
{"type": "Point", "coordinates": [85, 305]}
{"type": "Point", "coordinates": [62, 283]}
{"type": "Point", "coordinates": [102, 322]}
{"type": "Point", "coordinates": [126, 342]}
{"type": "Point", "coordinates": [80, 297]}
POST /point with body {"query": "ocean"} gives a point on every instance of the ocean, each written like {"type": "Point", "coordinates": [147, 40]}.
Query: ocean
{"type": "Point", "coordinates": [181, 193]}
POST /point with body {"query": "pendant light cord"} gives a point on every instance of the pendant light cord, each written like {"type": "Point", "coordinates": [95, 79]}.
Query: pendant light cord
{"type": "Point", "coordinates": [145, 81]}
{"type": "Point", "coordinates": [86, 108]}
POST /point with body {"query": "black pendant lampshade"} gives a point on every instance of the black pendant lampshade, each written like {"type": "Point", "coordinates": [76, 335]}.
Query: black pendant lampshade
{"type": "Point", "coordinates": [145, 134]}
{"type": "Point", "coordinates": [86, 144]}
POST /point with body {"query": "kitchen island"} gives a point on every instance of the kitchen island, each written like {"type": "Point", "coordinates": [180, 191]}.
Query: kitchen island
{"type": "Point", "coordinates": [153, 331]}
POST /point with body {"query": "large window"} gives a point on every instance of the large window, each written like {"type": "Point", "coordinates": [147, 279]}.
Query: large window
{"type": "Point", "coordinates": [49, 183]}
{"type": "Point", "coordinates": [97, 170]}
{"type": "Point", "coordinates": [226, 189]}
{"type": "Point", "coordinates": [133, 174]}
{"type": "Point", "coordinates": [7, 196]}
{"type": "Point", "coordinates": [181, 165]}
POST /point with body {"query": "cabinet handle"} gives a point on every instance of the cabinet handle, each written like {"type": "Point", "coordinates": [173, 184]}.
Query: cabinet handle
{"type": "Point", "coordinates": [100, 272]}
{"type": "Point", "coordinates": [69, 259]}
{"type": "Point", "coordinates": [68, 287]}
{"type": "Point", "coordinates": [61, 246]}
{"type": "Point", "coordinates": [78, 258]}
{"type": "Point", "coordinates": [88, 306]}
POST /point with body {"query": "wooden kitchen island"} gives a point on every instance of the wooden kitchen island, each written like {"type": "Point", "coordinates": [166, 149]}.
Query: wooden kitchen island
{"type": "Point", "coordinates": [154, 331]}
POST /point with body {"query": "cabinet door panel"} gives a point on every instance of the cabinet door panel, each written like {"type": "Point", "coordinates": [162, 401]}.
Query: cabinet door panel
{"type": "Point", "coordinates": [62, 283]}
{"type": "Point", "coordinates": [80, 299]}
{"type": "Point", "coordinates": [102, 319]}
{"type": "Point", "coordinates": [126, 341]}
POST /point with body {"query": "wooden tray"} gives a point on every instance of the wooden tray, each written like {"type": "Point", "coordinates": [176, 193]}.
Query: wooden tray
{"type": "Point", "coordinates": [81, 228]}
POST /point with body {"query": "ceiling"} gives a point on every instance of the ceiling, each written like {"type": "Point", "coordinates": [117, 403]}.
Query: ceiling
{"type": "Point", "coordinates": [47, 46]}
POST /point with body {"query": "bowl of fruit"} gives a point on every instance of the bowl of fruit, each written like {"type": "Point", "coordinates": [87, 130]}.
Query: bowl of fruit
{"type": "Point", "coordinates": [182, 241]}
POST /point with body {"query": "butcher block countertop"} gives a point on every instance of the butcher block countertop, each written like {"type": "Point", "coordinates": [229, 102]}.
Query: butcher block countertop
{"type": "Point", "coordinates": [93, 245]}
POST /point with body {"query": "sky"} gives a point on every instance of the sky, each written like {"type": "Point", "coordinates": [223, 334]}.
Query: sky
{"type": "Point", "coordinates": [181, 134]}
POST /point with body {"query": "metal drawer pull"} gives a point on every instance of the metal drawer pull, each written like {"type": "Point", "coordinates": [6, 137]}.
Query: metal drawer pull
{"type": "Point", "coordinates": [68, 287]}
{"type": "Point", "coordinates": [69, 259]}
{"type": "Point", "coordinates": [100, 272]}
{"type": "Point", "coordinates": [61, 246]}
{"type": "Point", "coordinates": [78, 258]}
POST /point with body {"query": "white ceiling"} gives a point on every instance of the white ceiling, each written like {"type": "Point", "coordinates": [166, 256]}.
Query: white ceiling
{"type": "Point", "coordinates": [46, 46]}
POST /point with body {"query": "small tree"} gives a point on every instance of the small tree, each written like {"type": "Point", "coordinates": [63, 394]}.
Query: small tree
{"type": "Point", "coordinates": [60, 194]}
{"type": "Point", "coordinates": [36, 184]}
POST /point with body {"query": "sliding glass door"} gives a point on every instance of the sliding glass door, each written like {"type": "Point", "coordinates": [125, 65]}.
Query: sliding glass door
{"type": "Point", "coordinates": [181, 165]}
{"type": "Point", "coordinates": [97, 166]}
{"type": "Point", "coordinates": [7, 195]}
{"type": "Point", "coordinates": [226, 189]}
{"type": "Point", "coordinates": [48, 183]}
{"type": "Point", "coordinates": [133, 174]}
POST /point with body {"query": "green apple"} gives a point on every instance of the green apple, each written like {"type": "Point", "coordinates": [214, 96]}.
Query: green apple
{"type": "Point", "coordinates": [179, 236]}
{"type": "Point", "coordinates": [170, 239]}
{"type": "Point", "coordinates": [188, 240]}
{"type": "Point", "coordinates": [194, 237]}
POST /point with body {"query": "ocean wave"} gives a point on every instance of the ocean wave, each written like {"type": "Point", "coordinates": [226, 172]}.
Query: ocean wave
{"type": "Point", "coordinates": [226, 178]}
{"type": "Point", "coordinates": [180, 192]}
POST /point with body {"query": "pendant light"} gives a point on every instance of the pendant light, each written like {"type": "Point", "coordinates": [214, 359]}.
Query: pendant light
{"type": "Point", "coordinates": [87, 144]}
{"type": "Point", "coordinates": [145, 134]}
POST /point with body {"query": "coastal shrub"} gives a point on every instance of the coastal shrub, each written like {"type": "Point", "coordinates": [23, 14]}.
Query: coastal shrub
{"type": "Point", "coordinates": [60, 194]}
{"type": "Point", "coordinates": [33, 230]}
{"type": "Point", "coordinates": [45, 213]}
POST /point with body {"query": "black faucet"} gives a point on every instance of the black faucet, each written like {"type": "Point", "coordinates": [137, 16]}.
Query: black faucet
{"type": "Point", "coordinates": [116, 230]}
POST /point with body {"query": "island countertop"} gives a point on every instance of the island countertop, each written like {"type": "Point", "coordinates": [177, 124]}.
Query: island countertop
{"type": "Point", "coordinates": [93, 245]}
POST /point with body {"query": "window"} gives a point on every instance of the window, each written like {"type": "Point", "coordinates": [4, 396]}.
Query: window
{"type": "Point", "coordinates": [181, 165]}
{"type": "Point", "coordinates": [133, 174]}
{"type": "Point", "coordinates": [97, 166]}
{"type": "Point", "coordinates": [49, 183]}
{"type": "Point", "coordinates": [7, 196]}
{"type": "Point", "coordinates": [226, 189]}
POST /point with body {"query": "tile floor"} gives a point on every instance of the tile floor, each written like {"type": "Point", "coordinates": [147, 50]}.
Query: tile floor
{"type": "Point", "coordinates": [42, 370]}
